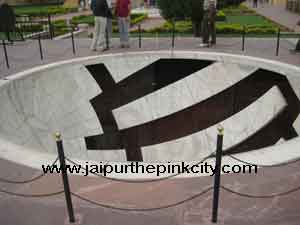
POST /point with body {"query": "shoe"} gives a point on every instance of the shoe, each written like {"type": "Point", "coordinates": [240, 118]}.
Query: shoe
{"type": "Point", "coordinates": [104, 49]}
{"type": "Point", "coordinates": [203, 45]}
{"type": "Point", "coordinates": [93, 49]}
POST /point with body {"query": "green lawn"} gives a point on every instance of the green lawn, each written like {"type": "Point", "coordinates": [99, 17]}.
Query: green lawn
{"type": "Point", "coordinates": [43, 10]}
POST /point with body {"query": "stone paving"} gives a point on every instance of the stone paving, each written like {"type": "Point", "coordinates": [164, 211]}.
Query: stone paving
{"type": "Point", "coordinates": [24, 55]}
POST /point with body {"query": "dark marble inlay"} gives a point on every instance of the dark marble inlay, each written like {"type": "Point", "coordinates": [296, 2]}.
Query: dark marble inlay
{"type": "Point", "coordinates": [145, 81]}
{"type": "Point", "coordinates": [192, 119]}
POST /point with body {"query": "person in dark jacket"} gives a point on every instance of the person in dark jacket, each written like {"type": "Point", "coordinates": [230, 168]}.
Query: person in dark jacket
{"type": "Point", "coordinates": [7, 19]}
{"type": "Point", "coordinates": [101, 12]}
{"type": "Point", "coordinates": [197, 16]}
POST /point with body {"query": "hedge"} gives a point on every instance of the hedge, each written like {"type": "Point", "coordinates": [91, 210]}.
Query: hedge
{"type": "Point", "coordinates": [221, 16]}
{"type": "Point", "coordinates": [134, 19]}
{"type": "Point", "coordinates": [223, 28]}
{"type": "Point", "coordinates": [238, 10]}
{"type": "Point", "coordinates": [31, 28]}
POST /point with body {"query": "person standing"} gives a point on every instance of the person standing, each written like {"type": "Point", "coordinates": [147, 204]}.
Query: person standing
{"type": "Point", "coordinates": [123, 14]}
{"type": "Point", "coordinates": [255, 3]}
{"type": "Point", "coordinates": [209, 21]}
{"type": "Point", "coordinates": [101, 12]}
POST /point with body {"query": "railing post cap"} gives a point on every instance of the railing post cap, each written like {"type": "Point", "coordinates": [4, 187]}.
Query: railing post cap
{"type": "Point", "coordinates": [221, 130]}
{"type": "Point", "coordinates": [57, 136]}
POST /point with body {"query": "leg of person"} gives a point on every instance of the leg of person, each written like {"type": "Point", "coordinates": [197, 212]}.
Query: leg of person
{"type": "Point", "coordinates": [102, 28]}
{"type": "Point", "coordinates": [205, 29]}
{"type": "Point", "coordinates": [126, 31]}
{"type": "Point", "coordinates": [121, 31]}
{"type": "Point", "coordinates": [96, 34]}
{"type": "Point", "coordinates": [213, 32]}
{"type": "Point", "coordinates": [109, 29]}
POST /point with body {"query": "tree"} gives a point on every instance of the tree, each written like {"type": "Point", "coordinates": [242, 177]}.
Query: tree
{"type": "Point", "coordinates": [189, 9]}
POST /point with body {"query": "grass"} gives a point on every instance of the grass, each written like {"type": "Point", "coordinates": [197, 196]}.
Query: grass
{"type": "Point", "coordinates": [43, 10]}
{"type": "Point", "coordinates": [20, 10]}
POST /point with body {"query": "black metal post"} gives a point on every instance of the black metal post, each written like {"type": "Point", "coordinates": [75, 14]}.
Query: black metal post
{"type": "Point", "coordinates": [140, 36]}
{"type": "Point", "coordinates": [278, 42]}
{"type": "Point", "coordinates": [217, 176]}
{"type": "Point", "coordinates": [297, 49]}
{"type": "Point", "coordinates": [50, 27]}
{"type": "Point", "coordinates": [40, 46]}
{"type": "Point", "coordinates": [173, 34]}
{"type": "Point", "coordinates": [5, 53]}
{"type": "Point", "coordinates": [61, 155]}
{"type": "Point", "coordinates": [73, 42]}
{"type": "Point", "coordinates": [243, 38]}
{"type": "Point", "coordinates": [106, 39]}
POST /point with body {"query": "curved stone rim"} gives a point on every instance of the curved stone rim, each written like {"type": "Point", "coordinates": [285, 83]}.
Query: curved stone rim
{"type": "Point", "coordinates": [25, 156]}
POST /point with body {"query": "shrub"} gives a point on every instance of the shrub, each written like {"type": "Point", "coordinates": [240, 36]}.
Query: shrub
{"type": "Point", "coordinates": [229, 28]}
{"type": "Point", "coordinates": [31, 28]}
{"type": "Point", "coordinates": [238, 10]}
{"type": "Point", "coordinates": [221, 28]}
{"type": "Point", "coordinates": [221, 16]}
{"type": "Point", "coordinates": [134, 19]}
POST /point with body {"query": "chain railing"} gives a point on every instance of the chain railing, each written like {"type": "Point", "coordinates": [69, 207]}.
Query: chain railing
{"type": "Point", "coordinates": [216, 187]}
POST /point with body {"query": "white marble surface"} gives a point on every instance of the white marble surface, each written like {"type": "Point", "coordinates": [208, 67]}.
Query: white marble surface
{"type": "Point", "coordinates": [33, 107]}
{"type": "Point", "coordinates": [181, 94]}
{"type": "Point", "coordinates": [54, 100]}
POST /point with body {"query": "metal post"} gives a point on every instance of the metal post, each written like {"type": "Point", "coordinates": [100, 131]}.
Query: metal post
{"type": "Point", "coordinates": [73, 42]}
{"type": "Point", "coordinates": [217, 176]}
{"type": "Point", "coordinates": [140, 36]}
{"type": "Point", "coordinates": [243, 38]}
{"type": "Point", "coordinates": [50, 27]}
{"type": "Point", "coordinates": [106, 39]}
{"type": "Point", "coordinates": [61, 155]}
{"type": "Point", "coordinates": [173, 34]}
{"type": "Point", "coordinates": [40, 46]}
{"type": "Point", "coordinates": [278, 42]}
{"type": "Point", "coordinates": [5, 53]}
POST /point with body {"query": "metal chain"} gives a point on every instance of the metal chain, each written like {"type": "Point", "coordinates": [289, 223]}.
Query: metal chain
{"type": "Point", "coordinates": [143, 209]}
{"type": "Point", "coordinates": [260, 165]}
{"type": "Point", "coordinates": [33, 195]}
{"type": "Point", "coordinates": [3, 180]}
{"type": "Point", "coordinates": [260, 196]}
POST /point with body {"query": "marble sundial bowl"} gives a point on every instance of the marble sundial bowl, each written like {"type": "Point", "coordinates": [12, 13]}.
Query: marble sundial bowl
{"type": "Point", "coordinates": [152, 107]}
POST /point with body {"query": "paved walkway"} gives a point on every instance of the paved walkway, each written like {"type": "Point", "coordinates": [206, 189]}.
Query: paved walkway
{"type": "Point", "coordinates": [278, 14]}
{"type": "Point", "coordinates": [152, 12]}
{"type": "Point", "coordinates": [26, 55]}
